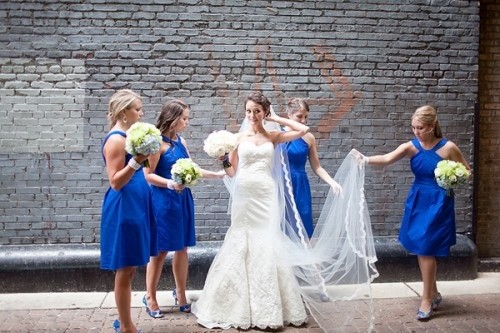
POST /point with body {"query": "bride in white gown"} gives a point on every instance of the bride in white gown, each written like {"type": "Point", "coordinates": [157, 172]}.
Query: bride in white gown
{"type": "Point", "coordinates": [246, 285]}
{"type": "Point", "coordinates": [266, 267]}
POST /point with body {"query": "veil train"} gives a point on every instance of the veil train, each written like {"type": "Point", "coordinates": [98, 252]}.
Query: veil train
{"type": "Point", "coordinates": [335, 267]}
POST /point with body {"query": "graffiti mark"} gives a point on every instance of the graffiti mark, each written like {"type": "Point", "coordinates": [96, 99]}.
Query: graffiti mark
{"type": "Point", "coordinates": [345, 97]}
{"type": "Point", "coordinates": [343, 101]}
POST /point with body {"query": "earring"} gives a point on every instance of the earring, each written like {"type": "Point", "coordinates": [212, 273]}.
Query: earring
{"type": "Point", "coordinates": [124, 120]}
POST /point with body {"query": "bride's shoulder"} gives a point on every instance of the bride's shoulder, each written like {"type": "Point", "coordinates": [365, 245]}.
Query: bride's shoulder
{"type": "Point", "coordinates": [241, 137]}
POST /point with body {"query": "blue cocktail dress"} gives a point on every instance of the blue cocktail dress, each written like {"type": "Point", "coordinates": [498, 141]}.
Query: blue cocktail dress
{"type": "Point", "coordinates": [428, 226]}
{"type": "Point", "coordinates": [298, 152]}
{"type": "Point", "coordinates": [174, 211]}
{"type": "Point", "coordinates": [128, 228]}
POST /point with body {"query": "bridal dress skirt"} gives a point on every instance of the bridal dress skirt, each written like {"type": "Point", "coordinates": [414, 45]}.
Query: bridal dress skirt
{"type": "Point", "coordinates": [247, 284]}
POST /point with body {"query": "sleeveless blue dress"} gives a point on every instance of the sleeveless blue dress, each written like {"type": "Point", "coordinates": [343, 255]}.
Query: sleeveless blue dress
{"type": "Point", "coordinates": [174, 211]}
{"type": "Point", "coordinates": [128, 228]}
{"type": "Point", "coordinates": [428, 226]}
{"type": "Point", "coordinates": [298, 152]}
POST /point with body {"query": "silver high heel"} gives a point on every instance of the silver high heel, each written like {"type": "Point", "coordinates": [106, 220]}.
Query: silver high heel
{"type": "Point", "coordinates": [436, 301]}
{"type": "Point", "coordinates": [116, 327]}
{"type": "Point", "coordinates": [152, 313]}
{"type": "Point", "coordinates": [183, 308]}
{"type": "Point", "coordinates": [424, 315]}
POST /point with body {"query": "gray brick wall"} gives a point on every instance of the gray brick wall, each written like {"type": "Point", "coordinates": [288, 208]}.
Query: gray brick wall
{"type": "Point", "coordinates": [364, 68]}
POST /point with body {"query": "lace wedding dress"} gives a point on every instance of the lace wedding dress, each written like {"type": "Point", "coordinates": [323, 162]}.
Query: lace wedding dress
{"type": "Point", "coordinates": [249, 284]}
{"type": "Point", "coordinates": [268, 271]}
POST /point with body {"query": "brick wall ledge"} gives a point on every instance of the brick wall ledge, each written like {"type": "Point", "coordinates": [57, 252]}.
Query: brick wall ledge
{"type": "Point", "coordinates": [75, 267]}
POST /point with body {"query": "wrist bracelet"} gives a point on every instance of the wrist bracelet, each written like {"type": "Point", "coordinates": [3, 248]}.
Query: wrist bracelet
{"type": "Point", "coordinates": [134, 164]}
{"type": "Point", "coordinates": [225, 163]}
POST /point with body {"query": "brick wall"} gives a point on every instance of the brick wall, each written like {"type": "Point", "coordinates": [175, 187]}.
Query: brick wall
{"type": "Point", "coordinates": [488, 170]}
{"type": "Point", "coordinates": [364, 68]}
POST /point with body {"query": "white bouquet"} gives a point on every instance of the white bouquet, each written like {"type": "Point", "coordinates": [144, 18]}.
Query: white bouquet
{"type": "Point", "coordinates": [219, 143]}
{"type": "Point", "coordinates": [186, 172]}
{"type": "Point", "coordinates": [449, 174]}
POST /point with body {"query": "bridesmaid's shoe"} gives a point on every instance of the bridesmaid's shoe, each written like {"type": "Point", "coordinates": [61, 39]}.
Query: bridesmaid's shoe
{"type": "Point", "coordinates": [183, 308]}
{"type": "Point", "coordinates": [424, 315]}
{"type": "Point", "coordinates": [436, 301]}
{"type": "Point", "coordinates": [154, 314]}
{"type": "Point", "coordinates": [116, 327]}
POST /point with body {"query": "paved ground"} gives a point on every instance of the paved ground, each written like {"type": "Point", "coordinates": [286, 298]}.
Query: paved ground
{"type": "Point", "coordinates": [468, 306]}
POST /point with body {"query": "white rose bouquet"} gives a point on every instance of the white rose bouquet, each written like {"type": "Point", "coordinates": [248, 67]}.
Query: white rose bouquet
{"type": "Point", "coordinates": [449, 174]}
{"type": "Point", "coordinates": [219, 143]}
{"type": "Point", "coordinates": [186, 172]}
{"type": "Point", "coordinates": [144, 139]}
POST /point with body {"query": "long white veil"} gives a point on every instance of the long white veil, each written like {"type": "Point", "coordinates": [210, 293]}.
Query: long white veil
{"type": "Point", "coordinates": [336, 266]}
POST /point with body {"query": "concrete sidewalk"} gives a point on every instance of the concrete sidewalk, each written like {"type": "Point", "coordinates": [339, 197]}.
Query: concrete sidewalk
{"type": "Point", "coordinates": [468, 306]}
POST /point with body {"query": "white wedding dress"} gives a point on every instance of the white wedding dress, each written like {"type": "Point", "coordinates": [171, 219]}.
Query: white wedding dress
{"type": "Point", "coordinates": [248, 284]}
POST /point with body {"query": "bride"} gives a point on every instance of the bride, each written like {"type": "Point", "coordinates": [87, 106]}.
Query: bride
{"type": "Point", "coordinates": [267, 267]}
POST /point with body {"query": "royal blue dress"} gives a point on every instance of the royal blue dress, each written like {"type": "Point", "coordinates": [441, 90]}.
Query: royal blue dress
{"type": "Point", "coordinates": [298, 152]}
{"type": "Point", "coordinates": [174, 211]}
{"type": "Point", "coordinates": [428, 226]}
{"type": "Point", "coordinates": [128, 228]}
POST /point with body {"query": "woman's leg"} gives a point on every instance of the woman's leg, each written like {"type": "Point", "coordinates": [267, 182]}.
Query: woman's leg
{"type": "Point", "coordinates": [428, 269]}
{"type": "Point", "coordinates": [123, 297]}
{"type": "Point", "coordinates": [180, 268]}
{"type": "Point", "coordinates": [153, 274]}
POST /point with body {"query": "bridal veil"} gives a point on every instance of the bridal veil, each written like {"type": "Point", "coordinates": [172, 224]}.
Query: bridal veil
{"type": "Point", "coordinates": [335, 267]}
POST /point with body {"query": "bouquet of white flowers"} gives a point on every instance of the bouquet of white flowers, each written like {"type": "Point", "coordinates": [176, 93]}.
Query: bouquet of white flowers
{"type": "Point", "coordinates": [144, 139]}
{"type": "Point", "coordinates": [186, 172]}
{"type": "Point", "coordinates": [449, 174]}
{"type": "Point", "coordinates": [219, 143]}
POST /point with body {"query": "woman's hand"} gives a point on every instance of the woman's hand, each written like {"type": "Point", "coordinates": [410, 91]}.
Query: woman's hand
{"type": "Point", "coordinates": [172, 185]}
{"type": "Point", "coordinates": [220, 174]}
{"type": "Point", "coordinates": [141, 158]}
{"type": "Point", "coordinates": [336, 188]}
{"type": "Point", "coordinates": [361, 159]}
{"type": "Point", "coordinates": [274, 119]}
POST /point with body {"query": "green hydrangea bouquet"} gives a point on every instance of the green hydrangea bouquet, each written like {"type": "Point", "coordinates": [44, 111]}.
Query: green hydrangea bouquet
{"type": "Point", "coordinates": [449, 174]}
{"type": "Point", "coordinates": [144, 139]}
{"type": "Point", "coordinates": [186, 172]}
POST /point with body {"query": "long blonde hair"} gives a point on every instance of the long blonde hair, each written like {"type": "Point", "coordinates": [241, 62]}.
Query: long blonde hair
{"type": "Point", "coordinates": [427, 115]}
{"type": "Point", "coordinates": [119, 102]}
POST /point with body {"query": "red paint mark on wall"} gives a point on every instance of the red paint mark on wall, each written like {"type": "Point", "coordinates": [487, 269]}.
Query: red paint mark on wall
{"type": "Point", "coordinates": [345, 97]}
{"type": "Point", "coordinates": [344, 100]}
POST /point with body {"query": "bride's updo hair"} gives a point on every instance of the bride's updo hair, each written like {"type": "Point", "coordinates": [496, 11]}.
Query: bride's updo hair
{"type": "Point", "coordinates": [427, 115]}
{"type": "Point", "coordinates": [258, 98]}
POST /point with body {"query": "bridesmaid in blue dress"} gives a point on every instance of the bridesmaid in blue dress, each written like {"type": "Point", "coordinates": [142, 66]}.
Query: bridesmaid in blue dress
{"type": "Point", "coordinates": [173, 207]}
{"type": "Point", "coordinates": [428, 225]}
{"type": "Point", "coordinates": [299, 152]}
{"type": "Point", "coordinates": [128, 229]}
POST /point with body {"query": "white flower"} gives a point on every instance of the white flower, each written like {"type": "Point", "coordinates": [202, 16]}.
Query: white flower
{"type": "Point", "coordinates": [219, 143]}
{"type": "Point", "coordinates": [186, 172]}
{"type": "Point", "coordinates": [143, 138]}
{"type": "Point", "coordinates": [449, 174]}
